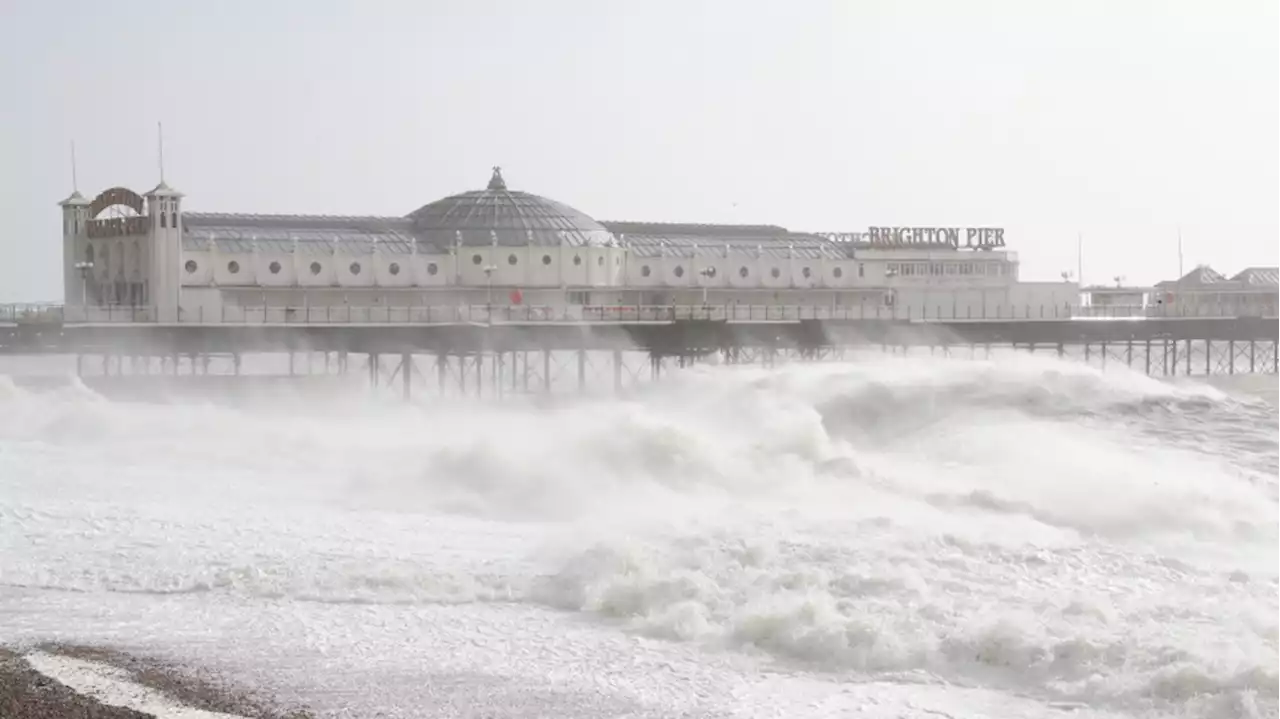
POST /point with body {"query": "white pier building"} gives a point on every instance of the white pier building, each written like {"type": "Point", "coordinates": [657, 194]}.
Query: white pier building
{"type": "Point", "coordinates": [141, 258]}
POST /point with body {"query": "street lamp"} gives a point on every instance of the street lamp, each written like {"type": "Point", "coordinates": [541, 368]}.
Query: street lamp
{"type": "Point", "coordinates": [488, 276]}
{"type": "Point", "coordinates": [84, 268]}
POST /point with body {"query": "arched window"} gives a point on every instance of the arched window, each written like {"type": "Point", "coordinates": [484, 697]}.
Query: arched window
{"type": "Point", "coordinates": [162, 222]}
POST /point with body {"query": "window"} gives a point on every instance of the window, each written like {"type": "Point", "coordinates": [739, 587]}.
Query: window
{"type": "Point", "coordinates": [394, 268]}
{"type": "Point", "coordinates": [861, 270]}
{"type": "Point", "coordinates": [162, 218]}
{"type": "Point", "coordinates": [191, 266]}
{"type": "Point", "coordinates": [432, 269]}
{"type": "Point", "coordinates": [577, 260]}
{"type": "Point", "coordinates": [511, 259]}
{"type": "Point", "coordinates": [775, 273]}
{"type": "Point", "coordinates": [600, 261]}
{"type": "Point", "coordinates": [476, 259]}
{"type": "Point", "coordinates": [743, 272]}
{"type": "Point", "coordinates": [806, 272]}
{"type": "Point", "coordinates": [315, 268]}
{"type": "Point", "coordinates": [354, 268]}
{"type": "Point", "coordinates": [173, 220]}
{"type": "Point", "coordinates": [645, 271]}
{"type": "Point", "coordinates": [546, 259]}
{"type": "Point", "coordinates": [274, 268]}
{"type": "Point", "coordinates": [678, 271]}
{"type": "Point", "coordinates": [837, 273]}
{"type": "Point", "coordinates": [579, 297]}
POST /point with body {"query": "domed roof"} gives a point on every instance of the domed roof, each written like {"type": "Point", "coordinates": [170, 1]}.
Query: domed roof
{"type": "Point", "coordinates": [509, 218]}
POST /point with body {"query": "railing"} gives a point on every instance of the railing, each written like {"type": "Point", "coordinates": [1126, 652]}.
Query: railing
{"type": "Point", "coordinates": [603, 314]}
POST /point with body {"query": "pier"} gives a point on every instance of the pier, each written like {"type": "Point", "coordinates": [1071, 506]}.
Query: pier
{"type": "Point", "coordinates": [494, 352]}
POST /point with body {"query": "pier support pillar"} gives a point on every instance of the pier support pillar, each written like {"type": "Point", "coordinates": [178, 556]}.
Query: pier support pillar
{"type": "Point", "coordinates": [406, 371]}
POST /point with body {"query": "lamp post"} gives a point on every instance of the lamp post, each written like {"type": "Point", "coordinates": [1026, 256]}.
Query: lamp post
{"type": "Point", "coordinates": [488, 276]}
{"type": "Point", "coordinates": [84, 268]}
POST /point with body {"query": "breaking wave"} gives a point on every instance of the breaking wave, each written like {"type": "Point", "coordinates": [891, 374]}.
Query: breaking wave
{"type": "Point", "coordinates": [1022, 523]}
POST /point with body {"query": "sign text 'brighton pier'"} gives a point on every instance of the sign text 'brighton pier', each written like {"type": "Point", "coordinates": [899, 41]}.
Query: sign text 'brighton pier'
{"type": "Point", "coordinates": [957, 237]}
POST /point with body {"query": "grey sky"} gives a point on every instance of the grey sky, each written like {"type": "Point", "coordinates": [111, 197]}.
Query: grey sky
{"type": "Point", "coordinates": [1120, 119]}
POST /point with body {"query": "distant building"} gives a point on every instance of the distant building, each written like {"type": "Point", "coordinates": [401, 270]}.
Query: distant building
{"type": "Point", "coordinates": [498, 246]}
{"type": "Point", "coordinates": [1252, 292]}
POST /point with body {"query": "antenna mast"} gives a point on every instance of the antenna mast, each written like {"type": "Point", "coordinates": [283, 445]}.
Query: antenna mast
{"type": "Point", "coordinates": [1080, 259]}
{"type": "Point", "coordinates": [1179, 250]}
{"type": "Point", "coordinates": [75, 180]}
{"type": "Point", "coordinates": [160, 143]}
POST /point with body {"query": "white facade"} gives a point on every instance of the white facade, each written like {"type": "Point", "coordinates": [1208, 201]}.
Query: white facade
{"type": "Point", "coordinates": [161, 264]}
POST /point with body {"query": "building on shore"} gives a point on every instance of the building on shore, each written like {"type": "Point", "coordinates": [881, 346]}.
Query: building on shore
{"type": "Point", "coordinates": [497, 247]}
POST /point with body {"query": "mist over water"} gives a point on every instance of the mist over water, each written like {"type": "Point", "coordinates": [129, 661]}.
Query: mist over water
{"type": "Point", "coordinates": [1013, 535]}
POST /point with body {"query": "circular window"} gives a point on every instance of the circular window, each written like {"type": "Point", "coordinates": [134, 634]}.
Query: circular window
{"type": "Point", "coordinates": [191, 267]}
{"type": "Point", "coordinates": [394, 268]}
{"type": "Point", "coordinates": [274, 268]}
{"type": "Point", "coordinates": [600, 261]}
{"type": "Point", "coordinates": [476, 259]}
{"type": "Point", "coordinates": [743, 272]}
{"type": "Point", "coordinates": [315, 268]}
{"type": "Point", "coordinates": [546, 259]}
{"type": "Point", "coordinates": [355, 268]}
{"type": "Point", "coordinates": [837, 273]}
{"type": "Point", "coordinates": [679, 271]}
{"type": "Point", "coordinates": [806, 272]}
{"type": "Point", "coordinates": [511, 259]}
{"type": "Point", "coordinates": [775, 273]}
{"type": "Point", "coordinates": [432, 269]}
{"type": "Point", "coordinates": [644, 271]}
{"type": "Point", "coordinates": [233, 267]}
{"type": "Point", "coordinates": [577, 260]}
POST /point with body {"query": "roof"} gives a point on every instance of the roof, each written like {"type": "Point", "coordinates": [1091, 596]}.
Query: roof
{"type": "Point", "coordinates": [1259, 277]}
{"type": "Point", "coordinates": [497, 215]}
{"type": "Point", "coordinates": [163, 190]}
{"type": "Point", "coordinates": [1207, 279]}
{"type": "Point", "coordinates": [75, 199]}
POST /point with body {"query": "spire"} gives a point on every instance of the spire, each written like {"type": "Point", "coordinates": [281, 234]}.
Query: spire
{"type": "Point", "coordinates": [496, 182]}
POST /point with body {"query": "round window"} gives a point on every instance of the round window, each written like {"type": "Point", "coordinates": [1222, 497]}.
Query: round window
{"type": "Point", "coordinates": [577, 260]}
{"type": "Point", "coordinates": [355, 268]}
{"type": "Point", "coordinates": [511, 259]}
{"type": "Point", "coordinates": [233, 267]}
{"type": "Point", "coordinates": [546, 259]}
{"type": "Point", "coordinates": [743, 272]}
{"type": "Point", "coordinates": [644, 271]}
{"type": "Point", "coordinates": [394, 268]}
{"type": "Point", "coordinates": [191, 267]}
{"type": "Point", "coordinates": [476, 259]}
{"type": "Point", "coordinates": [837, 273]}
{"type": "Point", "coordinates": [600, 261]}
{"type": "Point", "coordinates": [315, 268]}
{"type": "Point", "coordinates": [432, 269]}
{"type": "Point", "coordinates": [775, 273]}
{"type": "Point", "coordinates": [679, 271]}
{"type": "Point", "coordinates": [274, 268]}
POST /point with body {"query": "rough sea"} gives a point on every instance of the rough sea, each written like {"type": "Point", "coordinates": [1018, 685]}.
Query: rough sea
{"type": "Point", "coordinates": [1017, 536]}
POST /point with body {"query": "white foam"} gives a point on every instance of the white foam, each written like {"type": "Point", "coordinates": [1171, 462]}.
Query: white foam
{"type": "Point", "coordinates": [112, 686]}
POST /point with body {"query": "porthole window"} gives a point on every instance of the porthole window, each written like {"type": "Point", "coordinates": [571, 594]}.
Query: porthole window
{"type": "Point", "coordinates": [191, 267]}
{"type": "Point", "coordinates": [837, 273]}
{"type": "Point", "coordinates": [315, 268]}
{"type": "Point", "coordinates": [233, 267]}
{"type": "Point", "coordinates": [743, 272]}
{"type": "Point", "coordinates": [546, 259]}
{"type": "Point", "coordinates": [511, 259]}
{"type": "Point", "coordinates": [476, 259]}
{"type": "Point", "coordinates": [806, 272]}
{"type": "Point", "coordinates": [775, 273]}
{"type": "Point", "coordinates": [354, 268]}
{"type": "Point", "coordinates": [394, 268]}
{"type": "Point", "coordinates": [432, 269]}
{"type": "Point", "coordinates": [679, 271]}
{"type": "Point", "coordinates": [645, 271]}
{"type": "Point", "coordinates": [577, 260]}
{"type": "Point", "coordinates": [274, 267]}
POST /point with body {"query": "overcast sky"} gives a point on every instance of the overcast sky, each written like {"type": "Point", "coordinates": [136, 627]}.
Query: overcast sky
{"type": "Point", "coordinates": [1118, 119]}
